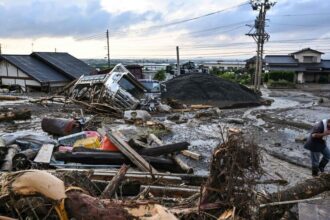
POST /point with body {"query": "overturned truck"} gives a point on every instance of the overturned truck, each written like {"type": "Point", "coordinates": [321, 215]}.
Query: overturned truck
{"type": "Point", "coordinates": [118, 89]}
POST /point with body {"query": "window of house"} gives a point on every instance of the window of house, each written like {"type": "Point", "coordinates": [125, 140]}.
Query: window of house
{"type": "Point", "coordinates": [309, 59]}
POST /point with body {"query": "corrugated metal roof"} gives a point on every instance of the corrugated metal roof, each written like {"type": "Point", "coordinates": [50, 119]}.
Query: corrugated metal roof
{"type": "Point", "coordinates": [35, 68]}
{"type": "Point", "coordinates": [66, 63]}
{"type": "Point", "coordinates": [280, 59]}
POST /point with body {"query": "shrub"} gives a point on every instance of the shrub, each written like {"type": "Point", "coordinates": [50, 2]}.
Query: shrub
{"type": "Point", "coordinates": [228, 75]}
{"type": "Point", "coordinates": [281, 75]}
{"type": "Point", "coordinates": [160, 75]}
{"type": "Point", "coordinates": [323, 79]}
{"type": "Point", "coordinates": [280, 84]}
{"type": "Point", "coordinates": [245, 79]}
{"type": "Point", "coordinates": [266, 77]}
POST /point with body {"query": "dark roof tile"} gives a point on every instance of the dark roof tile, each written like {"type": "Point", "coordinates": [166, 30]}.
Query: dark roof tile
{"type": "Point", "coordinates": [35, 68]}
{"type": "Point", "coordinates": [66, 63]}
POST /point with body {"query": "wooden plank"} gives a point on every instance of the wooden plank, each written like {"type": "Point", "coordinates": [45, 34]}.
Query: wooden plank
{"type": "Point", "coordinates": [193, 155]}
{"type": "Point", "coordinates": [45, 153]}
{"type": "Point", "coordinates": [136, 158]}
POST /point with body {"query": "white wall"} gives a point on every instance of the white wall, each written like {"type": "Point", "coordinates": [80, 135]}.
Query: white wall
{"type": "Point", "coordinates": [3, 69]}
{"type": "Point", "coordinates": [11, 75]}
{"type": "Point", "coordinates": [300, 56]}
{"type": "Point", "coordinates": [300, 78]}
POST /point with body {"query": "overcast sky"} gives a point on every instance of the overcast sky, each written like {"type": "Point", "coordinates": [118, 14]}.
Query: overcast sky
{"type": "Point", "coordinates": [138, 28]}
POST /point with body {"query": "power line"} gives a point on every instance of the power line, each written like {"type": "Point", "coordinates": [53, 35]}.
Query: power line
{"type": "Point", "coordinates": [184, 20]}
{"type": "Point", "coordinates": [297, 15]}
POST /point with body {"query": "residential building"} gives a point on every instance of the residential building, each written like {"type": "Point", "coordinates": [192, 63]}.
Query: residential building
{"type": "Point", "coordinates": [226, 65]}
{"type": "Point", "coordinates": [308, 65]}
{"type": "Point", "coordinates": [41, 71]}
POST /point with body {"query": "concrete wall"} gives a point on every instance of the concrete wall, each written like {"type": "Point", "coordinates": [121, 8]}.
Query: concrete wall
{"type": "Point", "coordinates": [300, 56]}
{"type": "Point", "coordinates": [300, 78]}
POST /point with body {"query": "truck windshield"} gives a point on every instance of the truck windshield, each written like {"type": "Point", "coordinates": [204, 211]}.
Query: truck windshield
{"type": "Point", "coordinates": [130, 87]}
{"type": "Point", "coordinates": [153, 87]}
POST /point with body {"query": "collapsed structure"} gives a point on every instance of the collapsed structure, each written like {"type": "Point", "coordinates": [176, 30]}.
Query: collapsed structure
{"type": "Point", "coordinates": [118, 88]}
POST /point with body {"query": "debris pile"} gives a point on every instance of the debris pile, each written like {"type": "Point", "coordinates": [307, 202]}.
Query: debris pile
{"type": "Point", "coordinates": [210, 90]}
{"type": "Point", "coordinates": [229, 191]}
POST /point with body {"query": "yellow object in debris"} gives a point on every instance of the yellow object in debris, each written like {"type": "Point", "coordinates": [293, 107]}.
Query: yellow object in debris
{"type": "Point", "coordinates": [60, 210]}
{"type": "Point", "coordinates": [90, 142]}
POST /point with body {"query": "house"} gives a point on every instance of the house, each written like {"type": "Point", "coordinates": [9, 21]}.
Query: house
{"type": "Point", "coordinates": [308, 65]}
{"type": "Point", "coordinates": [41, 71]}
{"type": "Point", "coordinates": [227, 65]}
{"type": "Point", "coordinates": [250, 64]}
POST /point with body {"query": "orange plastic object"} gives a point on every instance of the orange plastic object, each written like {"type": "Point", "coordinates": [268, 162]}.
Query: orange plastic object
{"type": "Point", "coordinates": [108, 145]}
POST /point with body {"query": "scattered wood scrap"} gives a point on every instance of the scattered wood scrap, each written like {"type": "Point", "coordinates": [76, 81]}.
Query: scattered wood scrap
{"type": "Point", "coordinates": [113, 185]}
{"type": "Point", "coordinates": [130, 152]}
{"type": "Point", "coordinates": [10, 115]}
{"type": "Point", "coordinates": [9, 98]}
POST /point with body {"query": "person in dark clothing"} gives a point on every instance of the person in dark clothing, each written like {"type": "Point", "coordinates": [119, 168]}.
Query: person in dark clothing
{"type": "Point", "coordinates": [317, 145]}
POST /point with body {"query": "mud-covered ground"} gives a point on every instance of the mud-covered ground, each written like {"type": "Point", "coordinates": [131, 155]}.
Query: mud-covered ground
{"type": "Point", "coordinates": [278, 129]}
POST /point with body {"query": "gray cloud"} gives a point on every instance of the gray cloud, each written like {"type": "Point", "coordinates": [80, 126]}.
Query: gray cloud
{"type": "Point", "coordinates": [38, 18]}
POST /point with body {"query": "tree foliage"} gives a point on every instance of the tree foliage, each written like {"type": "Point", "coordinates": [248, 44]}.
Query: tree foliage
{"type": "Point", "coordinates": [160, 75]}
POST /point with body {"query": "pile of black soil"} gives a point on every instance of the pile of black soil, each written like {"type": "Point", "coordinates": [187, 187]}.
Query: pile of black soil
{"type": "Point", "coordinates": [210, 90]}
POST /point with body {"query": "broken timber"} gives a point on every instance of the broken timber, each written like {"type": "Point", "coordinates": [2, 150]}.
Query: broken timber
{"type": "Point", "coordinates": [15, 115]}
{"type": "Point", "coordinates": [45, 153]}
{"type": "Point", "coordinates": [8, 161]}
{"type": "Point", "coordinates": [177, 159]}
{"type": "Point", "coordinates": [193, 155]}
{"type": "Point", "coordinates": [130, 152]}
{"type": "Point", "coordinates": [113, 185]}
{"type": "Point", "coordinates": [164, 149]}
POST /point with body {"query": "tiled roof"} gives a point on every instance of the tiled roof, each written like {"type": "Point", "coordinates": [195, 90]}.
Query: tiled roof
{"type": "Point", "coordinates": [35, 68]}
{"type": "Point", "coordinates": [64, 62]}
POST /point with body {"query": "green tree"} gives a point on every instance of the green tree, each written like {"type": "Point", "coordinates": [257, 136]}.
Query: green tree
{"type": "Point", "coordinates": [160, 75]}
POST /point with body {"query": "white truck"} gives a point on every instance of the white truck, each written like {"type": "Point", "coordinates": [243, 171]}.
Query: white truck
{"type": "Point", "coordinates": [118, 88]}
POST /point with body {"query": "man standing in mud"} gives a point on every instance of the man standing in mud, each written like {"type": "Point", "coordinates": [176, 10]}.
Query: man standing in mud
{"type": "Point", "coordinates": [317, 145]}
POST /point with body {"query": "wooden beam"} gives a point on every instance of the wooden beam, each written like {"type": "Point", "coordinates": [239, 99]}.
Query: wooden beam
{"type": "Point", "coordinates": [190, 154]}
{"type": "Point", "coordinates": [176, 158]}
{"type": "Point", "coordinates": [136, 158]}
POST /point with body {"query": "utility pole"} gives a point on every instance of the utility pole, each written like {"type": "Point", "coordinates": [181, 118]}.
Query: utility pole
{"type": "Point", "coordinates": [260, 36]}
{"type": "Point", "coordinates": [177, 61]}
{"type": "Point", "coordinates": [108, 48]}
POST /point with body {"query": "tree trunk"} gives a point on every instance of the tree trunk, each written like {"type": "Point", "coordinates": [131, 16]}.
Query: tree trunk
{"type": "Point", "coordinates": [303, 190]}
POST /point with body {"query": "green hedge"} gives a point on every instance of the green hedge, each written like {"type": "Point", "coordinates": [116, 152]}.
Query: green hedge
{"type": "Point", "coordinates": [280, 84]}
{"type": "Point", "coordinates": [281, 75]}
